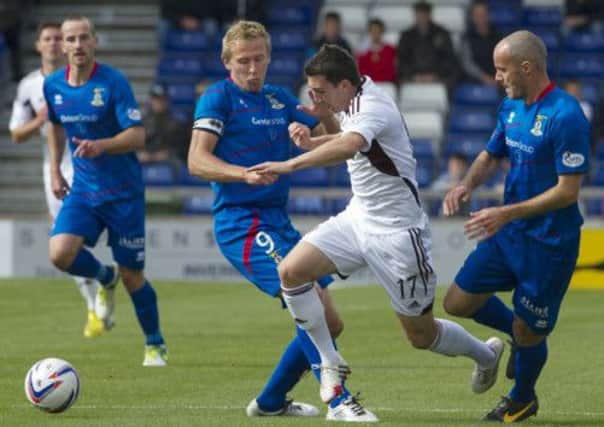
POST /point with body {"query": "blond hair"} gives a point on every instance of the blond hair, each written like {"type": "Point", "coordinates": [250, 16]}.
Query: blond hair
{"type": "Point", "coordinates": [81, 18]}
{"type": "Point", "coordinates": [243, 30]}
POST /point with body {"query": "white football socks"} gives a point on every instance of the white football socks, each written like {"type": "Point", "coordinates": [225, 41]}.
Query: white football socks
{"type": "Point", "coordinates": [454, 340]}
{"type": "Point", "coordinates": [88, 288]}
{"type": "Point", "coordinates": [307, 310]}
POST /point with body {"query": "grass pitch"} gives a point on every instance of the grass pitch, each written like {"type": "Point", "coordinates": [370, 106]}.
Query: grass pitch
{"type": "Point", "coordinates": [225, 339]}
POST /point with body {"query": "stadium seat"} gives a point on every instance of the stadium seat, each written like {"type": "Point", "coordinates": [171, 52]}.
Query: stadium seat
{"type": "Point", "coordinates": [424, 124]}
{"type": "Point", "coordinates": [185, 41]}
{"type": "Point", "coordinates": [289, 15]}
{"type": "Point", "coordinates": [591, 91]}
{"type": "Point", "coordinates": [213, 66]}
{"type": "Point", "coordinates": [158, 174]}
{"type": "Point", "coordinates": [341, 177]}
{"type": "Point", "coordinates": [476, 94]}
{"type": "Point", "coordinates": [286, 64]}
{"type": "Point", "coordinates": [550, 36]}
{"type": "Point", "coordinates": [339, 204]}
{"type": "Point", "coordinates": [187, 179]}
{"type": "Point", "coordinates": [468, 147]}
{"type": "Point", "coordinates": [196, 205]}
{"type": "Point", "coordinates": [598, 176]}
{"type": "Point", "coordinates": [294, 39]}
{"type": "Point", "coordinates": [353, 17]}
{"type": "Point", "coordinates": [471, 120]}
{"type": "Point", "coordinates": [504, 15]}
{"type": "Point", "coordinates": [423, 175]}
{"type": "Point", "coordinates": [396, 17]}
{"type": "Point", "coordinates": [424, 97]}
{"type": "Point", "coordinates": [599, 151]}
{"type": "Point", "coordinates": [423, 148]}
{"type": "Point", "coordinates": [594, 207]}
{"type": "Point", "coordinates": [585, 41]}
{"type": "Point", "coordinates": [586, 65]}
{"type": "Point", "coordinates": [181, 93]}
{"type": "Point", "coordinates": [307, 205]}
{"type": "Point", "coordinates": [182, 112]}
{"type": "Point", "coordinates": [315, 177]}
{"type": "Point", "coordinates": [389, 88]}
{"type": "Point", "coordinates": [542, 16]}
{"type": "Point", "coordinates": [175, 66]}
{"type": "Point", "coordinates": [451, 17]}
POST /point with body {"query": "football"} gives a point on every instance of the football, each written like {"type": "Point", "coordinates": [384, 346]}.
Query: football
{"type": "Point", "coordinates": [52, 385]}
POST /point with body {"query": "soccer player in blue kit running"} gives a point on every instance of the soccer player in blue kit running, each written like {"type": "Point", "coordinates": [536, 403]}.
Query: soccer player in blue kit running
{"type": "Point", "coordinates": [239, 122]}
{"type": "Point", "coordinates": [93, 106]}
{"type": "Point", "coordinates": [531, 243]}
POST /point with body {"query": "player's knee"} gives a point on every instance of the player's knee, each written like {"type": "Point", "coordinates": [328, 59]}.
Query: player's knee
{"type": "Point", "coordinates": [419, 341]}
{"type": "Point", "coordinates": [60, 257]}
{"type": "Point", "coordinates": [523, 336]}
{"type": "Point", "coordinates": [454, 308]}
{"type": "Point", "coordinates": [132, 279]}
{"type": "Point", "coordinates": [288, 275]}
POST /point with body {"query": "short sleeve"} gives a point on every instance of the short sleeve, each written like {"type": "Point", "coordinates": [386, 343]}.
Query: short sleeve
{"type": "Point", "coordinates": [571, 133]}
{"type": "Point", "coordinates": [296, 115]}
{"type": "Point", "coordinates": [369, 121]}
{"type": "Point", "coordinates": [496, 143]}
{"type": "Point", "coordinates": [22, 111]}
{"type": "Point", "coordinates": [126, 108]}
{"type": "Point", "coordinates": [211, 111]}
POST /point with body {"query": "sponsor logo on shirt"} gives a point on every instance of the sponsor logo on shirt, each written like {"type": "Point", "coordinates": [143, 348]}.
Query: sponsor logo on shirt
{"type": "Point", "coordinates": [572, 160]}
{"type": "Point", "coordinates": [134, 114]}
{"type": "Point", "coordinates": [58, 99]}
{"type": "Point", "coordinates": [97, 98]}
{"type": "Point", "coordinates": [536, 130]}
{"type": "Point", "coordinates": [132, 243]}
{"type": "Point", "coordinates": [268, 122]}
{"type": "Point", "coordinates": [275, 104]}
{"type": "Point", "coordinates": [519, 145]}
{"type": "Point", "coordinates": [66, 118]}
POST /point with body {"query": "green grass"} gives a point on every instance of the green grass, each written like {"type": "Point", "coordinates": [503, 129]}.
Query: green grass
{"type": "Point", "coordinates": [224, 340]}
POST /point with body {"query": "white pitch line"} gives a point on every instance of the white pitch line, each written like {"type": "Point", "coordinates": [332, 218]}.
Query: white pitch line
{"type": "Point", "coordinates": [240, 408]}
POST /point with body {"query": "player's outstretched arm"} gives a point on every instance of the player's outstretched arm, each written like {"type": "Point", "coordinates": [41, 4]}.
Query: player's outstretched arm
{"type": "Point", "coordinates": [331, 153]}
{"type": "Point", "coordinates": [305, 139]}
{"type": "Point", "coordinates": [481, 170]}
{"type": "Point", "coordinates": [204, 164]}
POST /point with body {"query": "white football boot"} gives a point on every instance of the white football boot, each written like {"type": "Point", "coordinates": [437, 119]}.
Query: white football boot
{"type": "Point", "coordinates": [351, 411]}
{"type": "Point", "coordinates": [484, 378]}
{"type": "Point", "coordinates": [291, 409]}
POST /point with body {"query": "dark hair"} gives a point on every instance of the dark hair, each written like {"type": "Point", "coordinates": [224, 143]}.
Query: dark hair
{"type": "Point", "coordinates": [422, 6]}
{"type": "Point", "coordinates": [376, 21]}
{"type": "Point", "coordinates": [333, 15]}
{"type": "Point", "coordinates": [458, 155]}
{"type": "Point", "coordinates": [44, 25]}
{"type": "Point", "coordinates": [335, 64]}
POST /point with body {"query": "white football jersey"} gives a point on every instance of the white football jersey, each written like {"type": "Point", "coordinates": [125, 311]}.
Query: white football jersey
{"type": "Point", "coordinates": [28, 102]}
{"type": "Point", "coordinates": [382, 174]}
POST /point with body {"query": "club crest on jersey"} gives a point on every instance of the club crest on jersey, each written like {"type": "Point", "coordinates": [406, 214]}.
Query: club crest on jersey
{"type": "Point", "coordinates": [275, 104]}
{"type": "Point", "coordinates": [97, 98]}
{"type": "Point", "coordinates": [511, 116]}
{"type": "Point", "coordinates": [536, 130]}
{"type": "Point", "coordinates": [58, 99]}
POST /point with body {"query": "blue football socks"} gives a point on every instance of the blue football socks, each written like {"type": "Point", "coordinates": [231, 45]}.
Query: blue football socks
{"type": "Point", "coordinates": [495, 314]}
{"type": "Point", "coordinates": [85, 265]}
{"type": "Point", "coordinates": [145, 306]}
{"type": "Point", "coordinates": [528, 364]}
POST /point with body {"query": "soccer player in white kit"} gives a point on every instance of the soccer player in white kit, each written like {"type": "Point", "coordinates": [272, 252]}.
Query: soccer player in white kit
{"type": "Point", "coordinates": [29, 117]}
{"type": "Point", "coordinates": [383, 227]}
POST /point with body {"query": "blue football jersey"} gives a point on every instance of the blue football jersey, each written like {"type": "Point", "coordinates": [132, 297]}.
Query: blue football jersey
{"type": "Point", "coordinates": [251, 129]}
{"type": "Point", "coordinates": [100, 108]}
{"type": "Point", "coordinates": [548, 138]}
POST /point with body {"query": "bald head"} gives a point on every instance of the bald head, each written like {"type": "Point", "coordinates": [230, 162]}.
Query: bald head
{"type": "Point", "coordinates": [523, 46]}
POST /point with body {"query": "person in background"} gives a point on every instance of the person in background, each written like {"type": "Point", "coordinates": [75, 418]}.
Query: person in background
{"type": "Point", "coordinates": [379, 60]}
{"type": "Point", "coordinates": [332, 33]}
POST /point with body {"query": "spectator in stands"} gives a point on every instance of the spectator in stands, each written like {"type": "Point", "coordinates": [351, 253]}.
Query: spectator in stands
{"type": "Point", "coordinates": [425, 51]}
{"type": "Point", "coordinates": [379, 60]}
{"type": "Point", "coordinates": [189, 15]}
{"type": "Point", "coordinates": [457, 166]}
{"type": "Point", "coordinates": [583, 15]}
{"type": "Point", "coordinates": [332, 29]}
{"type": "Point", "coordinates": [166, 138]}
{"type": "Point", "coordinates": [574, 88]}
{"type": "Point", "coordinates": [477, 45]}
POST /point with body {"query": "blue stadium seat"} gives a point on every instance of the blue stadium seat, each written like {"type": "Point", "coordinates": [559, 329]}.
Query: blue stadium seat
{"type": "Point", "coordinates": [181, 93]}
{"type": "Point", "coordinates": [598, 176]}
{"type": "Point", "coordinates": [175, 66]}
{"type": "Point", "coordinates": [470, 148]}
{"type": "Point", "coordinates": [586, 65]}
{"type": "Point", "coordinates": [543, 16]}
{"type": "Point", "coordinates": [185, 41]}
{"type": "Point", "coordinates": [314, 177]}
{"type": "Point", "coordinates": [289, 39]}
{"type": "Point", "coordinates": [591, 91]}
{"type": "Point", "coordinates": [502, 15]}
{"type": "Point", "coordinates": [286, 64]}
{"type": "Point", "coordinates": [476, 94]}
{"type": "Point", "coordinates": [599, 150]}
{"type": "Point", "coordinates": [471, 120]}
{"type": "Point", "coordinates": [186, 179]}
{"type": "Point", "coordinates": [423, 175]}
{"type": "Point", "coordinates": [585, 42]}
{"type": "Point", "coordinates": [214, 68]}
{"type": "Point", "coordinates": [550, 36]}
{"type": "Point", "coordinates": [289, 15]}
{"type": "Point", "coordinates": [195, 205]}
{"type": "Point", "coordinates": [339, 204]}
{"type": "Point", "coordinates": [422, 147]}
{"type": "Point", "coordinates": [341, 177]}
{"type": "Point", "coordinates": [307, 205]}
{"type": "Point", "coordinates": [158, 174]}
{"type": "Point", "coordinates": [286, 81]}
{"type": "Point", "coordinates": [182, 112]}
{"type": "Point", "coordinates": [594, 207]}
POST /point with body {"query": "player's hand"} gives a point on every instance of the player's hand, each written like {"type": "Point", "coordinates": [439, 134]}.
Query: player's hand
{"type": "Point", "coordinates": [87, 148]}
{"type": "Point", "coordinates": [255, 178]}
{"type": "Point", "coordinates": [59, 185]}
{"type": "Point", "coordinates": [453, 199]}
{"type": "Point", "coordinates": [318, 108]}
{"type": "Point", "coordinates": [271, 168]}
{"type": "Point", "coordinates": [300, 134]}
{"type": "Point", "coordinates": [42, 116]}
{"type": "Point", "coordinates": [485, 223]}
